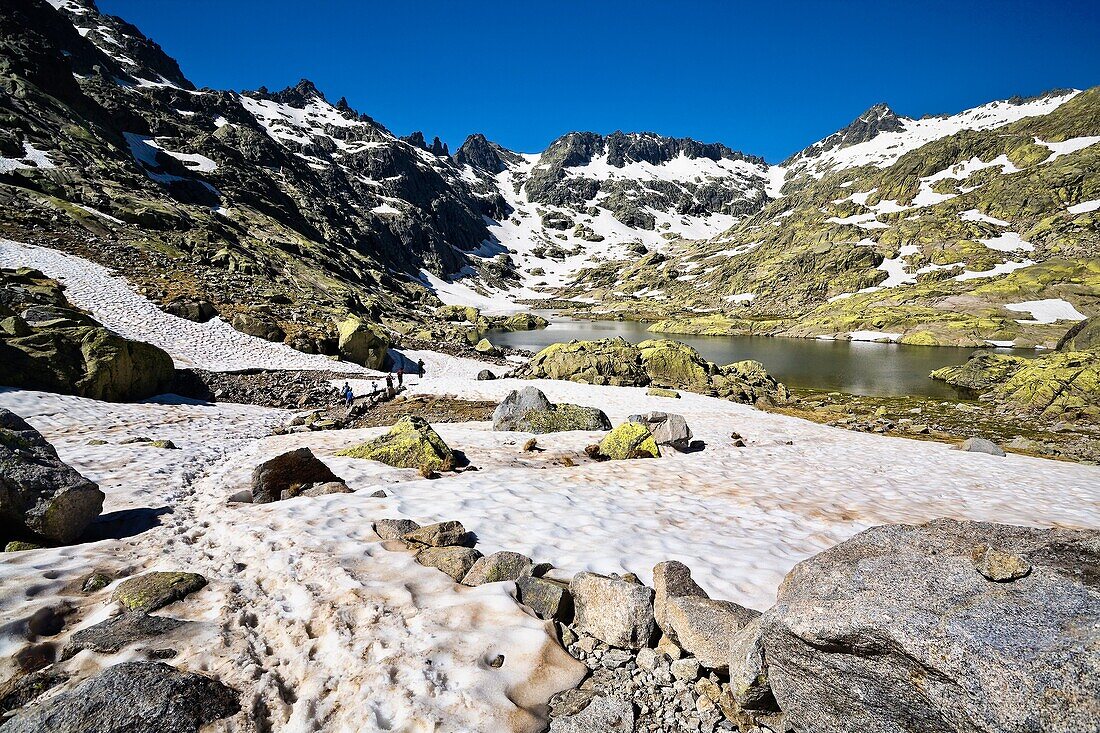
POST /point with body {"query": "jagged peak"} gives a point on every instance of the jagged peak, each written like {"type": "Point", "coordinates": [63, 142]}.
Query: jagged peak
{"type": "Point", "coordinates": [480, 152]}
{"type": "Point", "coordinates": [578, 148]}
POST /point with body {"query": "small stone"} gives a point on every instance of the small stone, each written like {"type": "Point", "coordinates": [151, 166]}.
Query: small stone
{"type": "Point", "coordinates": [165, 444]}
{"type": "Point", "coordinates": [328, 487]}
{"type": "Point", "coordinates": [440, 534]}
{"type": "Point", "coordinates": [981, 445]}
{"type": "Point", "coordinates": [686, 669]}
{"type": "Point", "coordinates": [999, 566]}
{"type": "Point", "coordinates": [498, 567]}
{"type": "Point", "coordinates": [647, 659]}
{"type": "Point", "coordinates": [531, 445]}
{"type": "Point", "coordinates": [394, 529]}
{"type": "Point", "coordinates": [669, 648]}
{"type": "Point", "coordinates": [380, 494]}
{"type": "Point", "coordinates": [95, 581]}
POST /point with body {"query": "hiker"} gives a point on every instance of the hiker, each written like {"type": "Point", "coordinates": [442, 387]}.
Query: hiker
{"type": "Point", "coordinates": [389, 384]}
{"type": "Point", "coordinates": [348, 394]}
{"type": "Point", "coordinates": [344, 391]}
{"type": "Point", "coordinates": [420, 368]}
{"type": "Point", "coordinates": [400, 376]}
{"type": "Point", "coordinates": [373, 390]}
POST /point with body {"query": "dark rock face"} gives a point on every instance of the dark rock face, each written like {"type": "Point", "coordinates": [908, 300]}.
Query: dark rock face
{"type": "Point", "coordinates": [134, 697]}
{"type": "Point", "coordinates": [878, 119]}
{"type": "Point", "coordinates": [40, 495]}
{"type": "Point", "coordinates": [199, 311]}
{"type": "Point", "coordinates": [1084, 335]}
{"type": "Point", "coordinates": [898, 629]}
{"type": "Point", "coordinates": [288, 472]}
{"type": "Point", "coordinates": [479, 152]}
{"type": "Point", "coordinates": [258, 326]}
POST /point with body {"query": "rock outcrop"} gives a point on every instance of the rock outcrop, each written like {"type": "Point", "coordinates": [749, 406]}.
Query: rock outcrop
{"type": "Point", "coordinates": [899, 628]}
{"type": "Point", "coordinates": [528, 410]}
{"type": "Point", "coordinates": [48, 345]}
{"type": "Point", "coordinates": [41, 496]}
{"type": "Point", "coordinates": [656, 362]}
{"type": "Point", "coordinates": [410, 443]}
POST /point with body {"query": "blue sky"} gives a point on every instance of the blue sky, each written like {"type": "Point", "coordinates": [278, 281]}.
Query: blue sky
{"type": "Point", "coordinates": [767, 78]}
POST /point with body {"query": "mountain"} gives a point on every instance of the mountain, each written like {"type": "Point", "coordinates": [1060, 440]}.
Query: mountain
{"type": "Point", "coordinates": [285, 209]}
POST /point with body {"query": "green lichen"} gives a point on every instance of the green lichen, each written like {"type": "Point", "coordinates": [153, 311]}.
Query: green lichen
{"type": "Point", "coordinates": [410, 443]}
{"type": "Point", "coordinates": [629, 440]}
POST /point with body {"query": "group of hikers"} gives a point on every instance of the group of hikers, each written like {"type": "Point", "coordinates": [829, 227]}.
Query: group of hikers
{"type": "Point", "coordinates": [348, 395]}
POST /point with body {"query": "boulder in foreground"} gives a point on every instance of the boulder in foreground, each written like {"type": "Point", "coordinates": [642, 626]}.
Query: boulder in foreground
{"type": "Point", "coordinates": [614, 611]}
{"type": "Point", "coordinates": [289, 472]}
{"type": "Point", "coordinates": [39, 494]}
{"type": "Point", "coordinates": [155, 590]}
{"type": "Point", "coordinates": [363, 343]}
{"type": "Point", "coordinates": [133, 697]}
{"type": "Point", "coordinates": [410, 443]}
{"type": "Point", "coordinates": [528, 410]}
{"type": "Point", "coordinates": [667, 428]}
{"type": "Point", "coordinates": [898, 629]}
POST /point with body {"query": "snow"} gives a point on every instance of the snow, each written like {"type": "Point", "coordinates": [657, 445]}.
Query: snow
{"type": "Point", "coordinates": [302, 595]}
{"type": "Point", "coordinates": [1047, 310]}
{"type": "Point", "coordinates": [214, 345]}
{"type": "Point", "coordinates": [101, 214]}
{"type": "Point", "coordinates": [286, 123]}
{"type": "Point", "coordinates": [975, 215]}
{"type": "Point", "coordinates": [32, 158]}
{"type": "Point", "coordinates": [457, 293]}
{"type": "Point", "coordinates": [194, 161]}
{"type": "Point", "coordinates": [885, 148]}
{"type": "Point", "coordinates": [1001, 269]}
{"type": "Point", "coordinates": [741, 297]}
{"type": "Point", "coordinates": [386, 208]}
{"type": "Point", "coordinates": [895, 267]}
{"type": "Point", "coordinates": [1008, 242]}
{"type": "Point", "coordinates": [1084, 207]}
{"type": "Point", "coordinates": [873, 336]}
{"type": "Point", "coordinates": [1068, 146]}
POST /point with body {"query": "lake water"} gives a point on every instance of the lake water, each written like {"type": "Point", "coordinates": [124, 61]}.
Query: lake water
{"type": "Point", "coordinates": [854, 367]}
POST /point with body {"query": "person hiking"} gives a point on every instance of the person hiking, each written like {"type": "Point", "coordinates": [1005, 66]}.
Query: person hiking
{"type": "Point", "coordinates": [349, 396]}
{"type": "Point", "coordinates": [389, 383]}
{"type": "Point", "coordinates": [420, 368]}
{"type": "Point", "coordinates": [373, 390]}
{"type": "Point", "coordinates": [400, 376]}
{"type": "Point", "coordinates": [344, 391]}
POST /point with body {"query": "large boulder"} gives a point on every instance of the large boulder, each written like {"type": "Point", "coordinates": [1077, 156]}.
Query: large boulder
{"type": "Point", "coordinates": [614, 611]}
{"type": "Point", "coordinates": [498, 567]}
{"type": "Point", "coordinates": [39, 495]}
{"type": "Point", "coordinates": [671, 579]}
{"type": "Point", "coordinates": [288, 472]}
{"type": "Point", "coordinates": [363, 343]}
{"type": "Point", "coordinates": [704, 626]}
{"type": "Point", "coordinates": [658, 362]}
{"type": "Point", "coordinates": [629, 440]}
{"type": "Point", "coordinates": [452, 560]}
{"type": "Point", "coordinates": [135, 697]}
{"type": "Point", "coordinates": [899, 629]}
{"type": "Point", "coordinates": [192, 309]}
{"type": "Point", "coordinates": [259, 325]}
{"type": "Point", "coordinates": [980, 372]}
{"type": "Point", "coordinates": [521, 322]}
{"type": "Point", "coordinates": [613, 361]}
{"type": "Point", "coordinates": [410, 443]}
{"type": "Point", "coordinates": [528, 410]}
{"type": "Point", "coordinates": [84, 360]}
{"type": "Point", "coordinates": [667, 428]}
{"type": "Point", "coordinates": [151, 591]}
{"type": "Point", "coordinates": [118, 632]}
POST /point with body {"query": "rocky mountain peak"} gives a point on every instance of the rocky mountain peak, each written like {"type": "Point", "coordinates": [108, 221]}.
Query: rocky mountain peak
{"type": "Point", "coordinates": [299, 95]}
{"type": "Point", "coordinates": [877, 119]}
{"type": "Point", "coordinates": [481, 153]}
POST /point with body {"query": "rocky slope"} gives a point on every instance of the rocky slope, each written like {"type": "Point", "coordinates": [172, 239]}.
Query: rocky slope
{"type": "Point", "coordinates": [290, 213]}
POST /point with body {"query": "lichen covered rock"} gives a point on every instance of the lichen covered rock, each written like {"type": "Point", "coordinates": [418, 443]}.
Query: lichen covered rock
{"type": "Point", "coordinates": [363, 343]}
{"type": "Point", "coordinates": [528, 410]}
{"type": "Point", "coordinates": [410, 443]}
{"type": "Point", "coordinates": [629, 440]}
{"type": "Point", "coordinates": [155, 590]}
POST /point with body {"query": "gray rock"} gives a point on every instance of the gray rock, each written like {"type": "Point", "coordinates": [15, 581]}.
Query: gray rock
{"type": "Point", "coordinates": [289, 472]}
{"type": "Point", "coordinates": [485, 375]}
{"type": "Point", "coordinates": [614, 611]}
{"type": "Point", "coordinates": [258, 326]}
{"type": "Point", "coordinates": [894, 630]}
{"type": "Point", "coordinates": [39, 494]}
{"type": "Point", "coordinates": [441, 534]}
{"type": "Point", "coordinates": [748, 672]}
{"type": "Point", "coordinates": [498, 567]}
{"type": "Point", "coordinates": [703, 627]}
{"type": "Point", "coordinates": [666, 428]}
{"type": "Point", "coordinates": [394, 529]}
{"type": "Point", "coordinates": [133, 697]}
{"type": "Point", "coordinates": [549, 599]}
{"type": "Point", "coordinates": [328, 487]}
{"type": "Point", "coordinates": [454, 561]}
{"type": "Point", "coordinates": [602, 714]}
{"type": "Point", "coordinates": [528, 410]}
{"type": "Point", "coordinates": [998, 566]}
{"type": "Point", "coordinates": [671, 579]}
{"type": "Point", "coordinates": [155, 590]}
{"type": "Point", "coordinates": [118, 632]}
{"type": "Point", "coordinates": [686, 669]}
{"type": "Point", "coordinates": [981, 445]}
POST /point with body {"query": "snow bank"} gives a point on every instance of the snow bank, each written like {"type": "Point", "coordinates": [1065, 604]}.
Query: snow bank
{"type": "Point", "coordinates": [215, 345]}
{"type": "Point", "coordinates": [1048, 310]}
